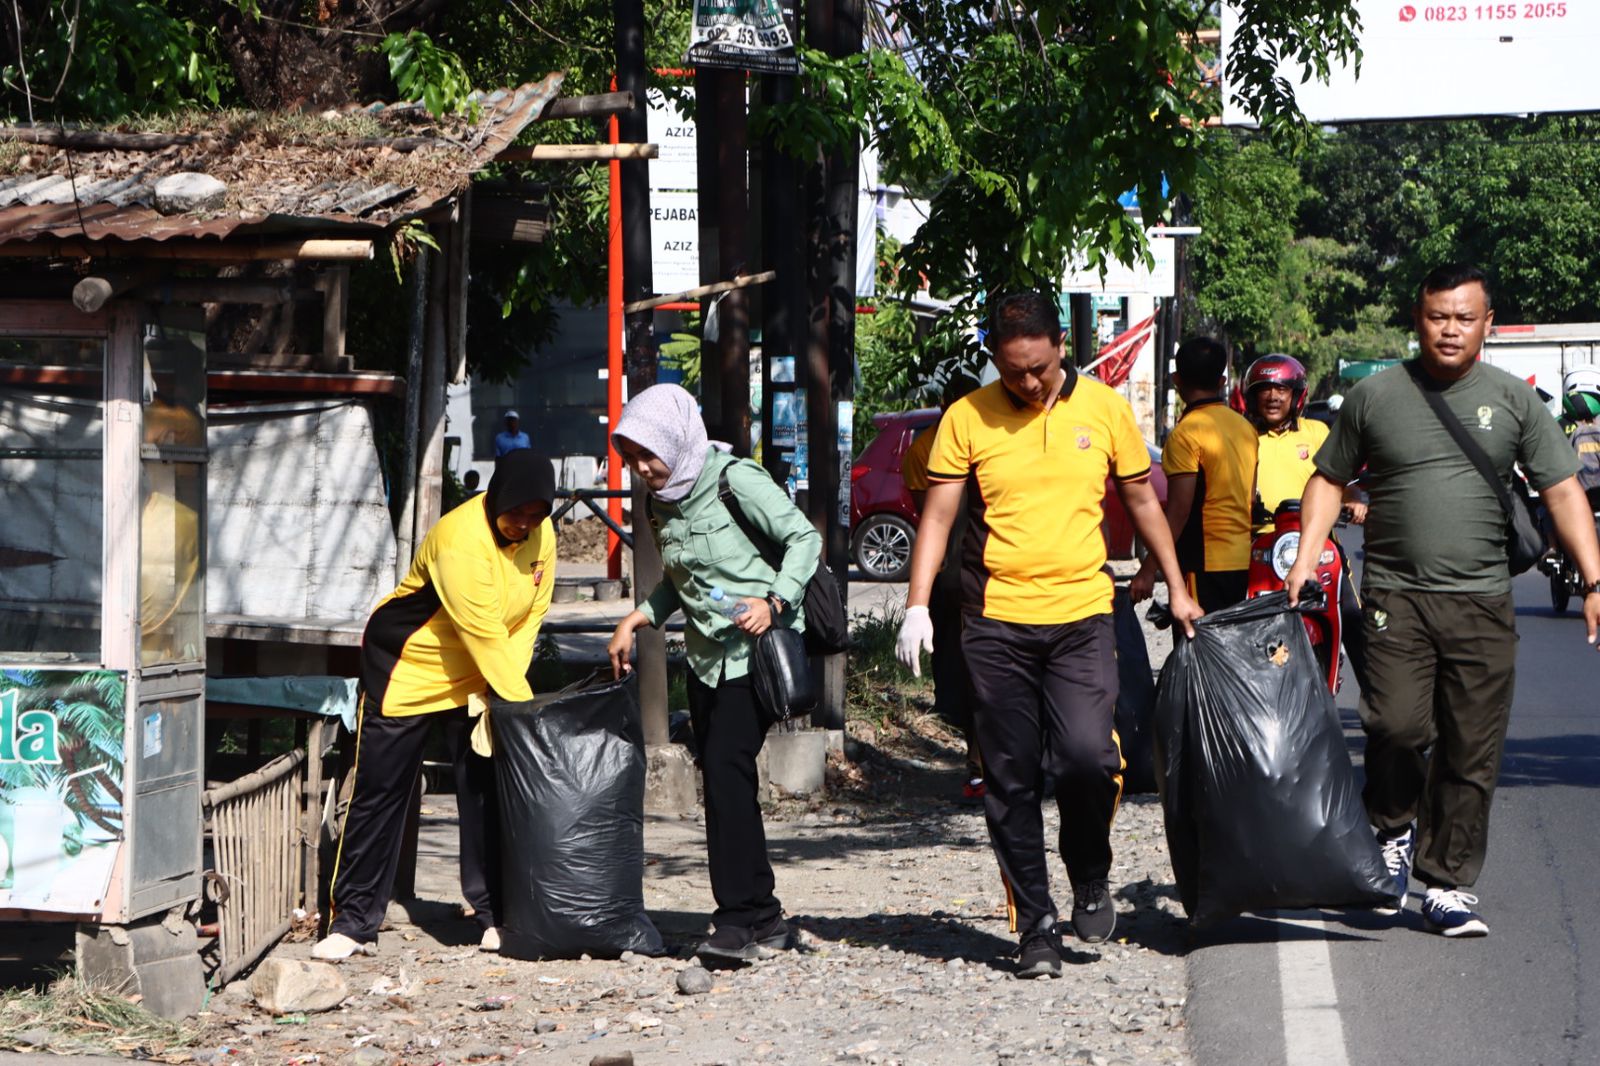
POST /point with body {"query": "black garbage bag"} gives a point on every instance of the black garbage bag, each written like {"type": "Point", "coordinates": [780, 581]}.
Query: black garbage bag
{"type": "Point", "coordinates": [570, 773]}
{"type": "Point", "coordinates": [1136, 697]}
{"type": "Point", "coordinates": [1260, 800]}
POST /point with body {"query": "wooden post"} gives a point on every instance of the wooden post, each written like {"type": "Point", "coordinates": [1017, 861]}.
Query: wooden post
{"type": "Point", "coordinates": [124, 433]}
{"type": "Point", "coordinates": [406, 482]}
{"type": "Point", "coordinates": [430, 432]}
{"type": "Point", "coordinates": [335, 287]}
{"type": "Point", "coordinates": [733, 252]}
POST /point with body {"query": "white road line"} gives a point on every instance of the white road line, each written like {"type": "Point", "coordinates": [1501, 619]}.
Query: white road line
{"type": "Point", "coordinates": [1313, 1035]}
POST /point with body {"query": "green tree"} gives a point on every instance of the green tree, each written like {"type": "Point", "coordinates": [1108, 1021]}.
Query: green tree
{"type": "Point", "coordinates": [1023, 123]}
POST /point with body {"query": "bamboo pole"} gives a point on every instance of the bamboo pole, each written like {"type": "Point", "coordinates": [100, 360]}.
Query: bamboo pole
{"type": "Point", "coordinates": [740, 282]}
{"type": "Point", "coordinates": [341, 249]}
{"type": "Point", "coordinates": [577, 153]}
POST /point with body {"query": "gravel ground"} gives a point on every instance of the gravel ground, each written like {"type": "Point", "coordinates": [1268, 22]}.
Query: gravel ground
{"type": "Point", "coordinates": [904, 957]}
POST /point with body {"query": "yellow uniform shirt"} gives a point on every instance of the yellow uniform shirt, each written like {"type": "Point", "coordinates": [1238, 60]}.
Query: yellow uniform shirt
{"type": "Point", "coordinates": [1036, 484]}
{"type": "Point", "coordinates": [1218, 446]}
{"type": "Point", "coordinates": [1284, 465]}
{"type": "Point", "coordinates": [465, 617]}
{"type": "Point", "coordinates": [914, 463]}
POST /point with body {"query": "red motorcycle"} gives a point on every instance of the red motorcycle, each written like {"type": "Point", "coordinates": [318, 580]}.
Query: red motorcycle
{"type": "Point", "coordinates": [1271, 556]}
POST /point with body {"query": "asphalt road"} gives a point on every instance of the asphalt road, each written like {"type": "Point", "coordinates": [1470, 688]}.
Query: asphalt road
{"type": "Point", "coordinates": [1527, 994]}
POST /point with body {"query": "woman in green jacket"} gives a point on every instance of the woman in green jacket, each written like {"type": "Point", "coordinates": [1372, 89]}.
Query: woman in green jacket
{"type": "Point", "coordinates": [728, 596]}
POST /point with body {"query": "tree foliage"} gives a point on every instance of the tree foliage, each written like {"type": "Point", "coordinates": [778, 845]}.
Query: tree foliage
{"type": "Point", "coordinates": [1024, 123]}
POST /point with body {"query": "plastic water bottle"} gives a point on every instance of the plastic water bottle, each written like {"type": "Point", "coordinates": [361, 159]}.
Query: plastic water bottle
{"type": "Point", "coordinates": [730, 608]}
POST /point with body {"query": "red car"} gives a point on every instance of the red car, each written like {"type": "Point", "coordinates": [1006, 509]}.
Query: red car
{"type": "Point", "coordinates": [883, 517]}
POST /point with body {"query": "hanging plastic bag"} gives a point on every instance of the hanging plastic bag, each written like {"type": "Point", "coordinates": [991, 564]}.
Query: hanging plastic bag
{"type": "Point", "coordinates": [1261, 804]}
{"type": "Point", "coordinates": [1136, 697]}
{"type": "Point", "coordinates": [570, 772]}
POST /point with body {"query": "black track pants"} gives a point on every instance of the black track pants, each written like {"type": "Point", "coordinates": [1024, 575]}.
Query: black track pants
{"type": "Point", "coordinates": [729, 730]}
{"type": "Point", "coordinates": [1045, 700]}
{"type": "Point", "coordinates": [389, 753]}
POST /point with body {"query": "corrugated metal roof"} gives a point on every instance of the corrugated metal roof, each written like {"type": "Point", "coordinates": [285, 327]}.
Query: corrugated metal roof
{"type": "Point", "coordinates": [330, 185]}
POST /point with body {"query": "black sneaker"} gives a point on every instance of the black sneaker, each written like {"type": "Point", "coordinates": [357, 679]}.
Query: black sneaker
{"type": "Point", "coordinates": [744, 944]}
{"type": "Point", "coordinates": [1041, 954]}
{"type": "Point", "coordinates": [1094, 916]}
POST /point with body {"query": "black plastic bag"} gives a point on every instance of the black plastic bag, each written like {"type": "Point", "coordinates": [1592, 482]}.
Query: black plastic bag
{"type": "Point", "coordinates": [1136, 697]}
{"type": "Point", "coordinates": [570, 772]}
{"type": "Point", "coordinates": [1261, 803]}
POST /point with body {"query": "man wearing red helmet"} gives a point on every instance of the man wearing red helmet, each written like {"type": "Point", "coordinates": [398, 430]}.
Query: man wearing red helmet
{"type": "Point", "coordinates": [1274, 400]}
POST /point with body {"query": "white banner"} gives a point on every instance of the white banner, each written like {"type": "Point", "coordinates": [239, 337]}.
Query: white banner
{"type": "Point", "coordinates": [676, 167]}
{"type": "Point", "coordinates": [1124, 280]}
{"type": "Point", "coordinates": [1424, 60]}
{"type": "Point", "coordinates": [674, 240]}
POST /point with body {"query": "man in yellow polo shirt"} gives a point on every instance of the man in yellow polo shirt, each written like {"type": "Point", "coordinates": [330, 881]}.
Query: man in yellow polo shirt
{"type": "Point", "coordinates": [1033, 451]}
{"type": "Point", "coordinates": [1210, 463]}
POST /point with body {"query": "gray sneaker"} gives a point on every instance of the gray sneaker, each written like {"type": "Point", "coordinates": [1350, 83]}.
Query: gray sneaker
{"type": "Point", "coordinates": [1094, 915]}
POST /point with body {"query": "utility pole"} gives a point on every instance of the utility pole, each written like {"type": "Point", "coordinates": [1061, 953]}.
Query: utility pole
{"type": "Point", "coordinates": [834, 26]}
{"type": "Point", "coordinates": [638, 351]}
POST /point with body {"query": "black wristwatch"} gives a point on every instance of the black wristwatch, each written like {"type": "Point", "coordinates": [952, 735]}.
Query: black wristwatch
{"type": "Point", "coordinates": [776, 603]}
{"type": "Point", "coordinates": [1591, 588]}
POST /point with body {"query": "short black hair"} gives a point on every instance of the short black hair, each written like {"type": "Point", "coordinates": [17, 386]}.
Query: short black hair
{"type": "Point", "coordinates": [1202, 361]}
{"type": "Point", "coordinates": [1023, 313]}
{"type": "Point", "coordinates": [1453, 276]}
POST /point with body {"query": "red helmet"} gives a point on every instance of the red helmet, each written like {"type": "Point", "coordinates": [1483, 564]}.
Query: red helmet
{"type": "Point", "coordinates": [1278, 370]}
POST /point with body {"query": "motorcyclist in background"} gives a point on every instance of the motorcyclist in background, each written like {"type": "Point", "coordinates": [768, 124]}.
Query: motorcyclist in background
{"type": "Point", "coordinates": [1580, 421]}
{"type": "Point", "coordinates": [1274, 400]}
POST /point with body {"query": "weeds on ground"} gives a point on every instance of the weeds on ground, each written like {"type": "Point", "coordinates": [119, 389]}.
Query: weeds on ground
{"type": "Point", "coordinates": [71, 1018]}
{"type": "Point", "coordinates": [878, 690]}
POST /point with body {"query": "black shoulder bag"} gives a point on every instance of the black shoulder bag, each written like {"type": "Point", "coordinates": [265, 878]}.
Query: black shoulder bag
{"type": "Point", "coordinates": [827, 629]}
{"type": "Point", "coordinates": [1524, 543]}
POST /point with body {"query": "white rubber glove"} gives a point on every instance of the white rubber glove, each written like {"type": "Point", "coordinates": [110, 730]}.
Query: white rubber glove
{"type": "Point", "coordinates": [916, 633]}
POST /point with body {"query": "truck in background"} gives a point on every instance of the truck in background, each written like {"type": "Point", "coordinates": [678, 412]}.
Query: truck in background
{"type": "Point", "coordinates": [1542, 354]}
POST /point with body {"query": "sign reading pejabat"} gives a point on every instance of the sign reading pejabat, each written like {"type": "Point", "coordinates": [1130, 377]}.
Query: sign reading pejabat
{"type": "Point", "coordinates": [1430, 60]}
{"type": "Point", "coordinates": [61, 756]}
{"type": "Point", "coordinates": [675, 240]}
{"type": "Point", "coordinates": [744, 35]}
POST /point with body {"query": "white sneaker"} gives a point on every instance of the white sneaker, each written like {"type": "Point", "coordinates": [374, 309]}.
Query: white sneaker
{"type": "Point", "coordinates": [491, 940]}
{"type": "Point", "coordinates": [336, 946]}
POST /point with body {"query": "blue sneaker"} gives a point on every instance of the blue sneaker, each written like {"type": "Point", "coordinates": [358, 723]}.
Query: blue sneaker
{"type": "Point", "coordinates": [1448, 912]}
{"type": "Point", "coordinates": [1397, 850]}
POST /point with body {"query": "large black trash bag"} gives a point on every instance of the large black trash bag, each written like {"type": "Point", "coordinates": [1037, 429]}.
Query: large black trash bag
{"type": "Point", "coordinates": [570, 773]}
{"type": "Point", "coordinates": [1260, 800]}
{"type": "Point", "coordinates": [1136, 697]}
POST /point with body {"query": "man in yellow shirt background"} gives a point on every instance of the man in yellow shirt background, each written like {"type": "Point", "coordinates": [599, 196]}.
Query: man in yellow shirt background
{"type": "Point", "coordinates": [1210, 463]}
{"type": "Point", "coordinates": [952, 684]}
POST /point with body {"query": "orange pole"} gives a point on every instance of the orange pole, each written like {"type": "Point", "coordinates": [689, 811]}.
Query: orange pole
{"type": "Point", "coordinates": [614, 358]}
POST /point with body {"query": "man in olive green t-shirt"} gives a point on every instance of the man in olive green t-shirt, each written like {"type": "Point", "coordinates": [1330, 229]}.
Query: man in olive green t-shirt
{"type": "Point", "coordinates": [1438, 619]}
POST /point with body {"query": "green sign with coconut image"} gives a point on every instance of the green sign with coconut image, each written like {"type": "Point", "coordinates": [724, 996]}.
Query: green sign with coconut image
{"type": "Point", "coordinates": [61, 734]}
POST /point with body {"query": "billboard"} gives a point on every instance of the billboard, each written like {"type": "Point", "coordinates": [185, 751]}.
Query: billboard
{"type": "Point", "coordinates": [744, 35]}
{"type": "Point", "coordinates": [1435, 60]}
{"type": "Point", "coordinates": [61, 755]}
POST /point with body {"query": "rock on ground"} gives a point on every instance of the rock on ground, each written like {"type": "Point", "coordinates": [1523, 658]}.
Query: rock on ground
{"type": "Point", "coordinates": [291, 986]}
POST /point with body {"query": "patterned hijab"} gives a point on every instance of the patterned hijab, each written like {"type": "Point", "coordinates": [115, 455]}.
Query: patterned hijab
{"type": "Point", "coordinates": [666, 420]}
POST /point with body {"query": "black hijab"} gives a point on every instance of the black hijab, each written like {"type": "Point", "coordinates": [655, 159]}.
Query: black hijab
{"type": "Point", "coordinates": [519, 477]}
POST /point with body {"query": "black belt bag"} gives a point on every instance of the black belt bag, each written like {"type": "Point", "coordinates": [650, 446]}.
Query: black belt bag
{"type": "Point", "coordinates": [781, 673]}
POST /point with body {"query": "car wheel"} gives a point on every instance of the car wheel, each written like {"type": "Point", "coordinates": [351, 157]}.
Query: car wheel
{"type": "Point", "coordinates": [883, 547]}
